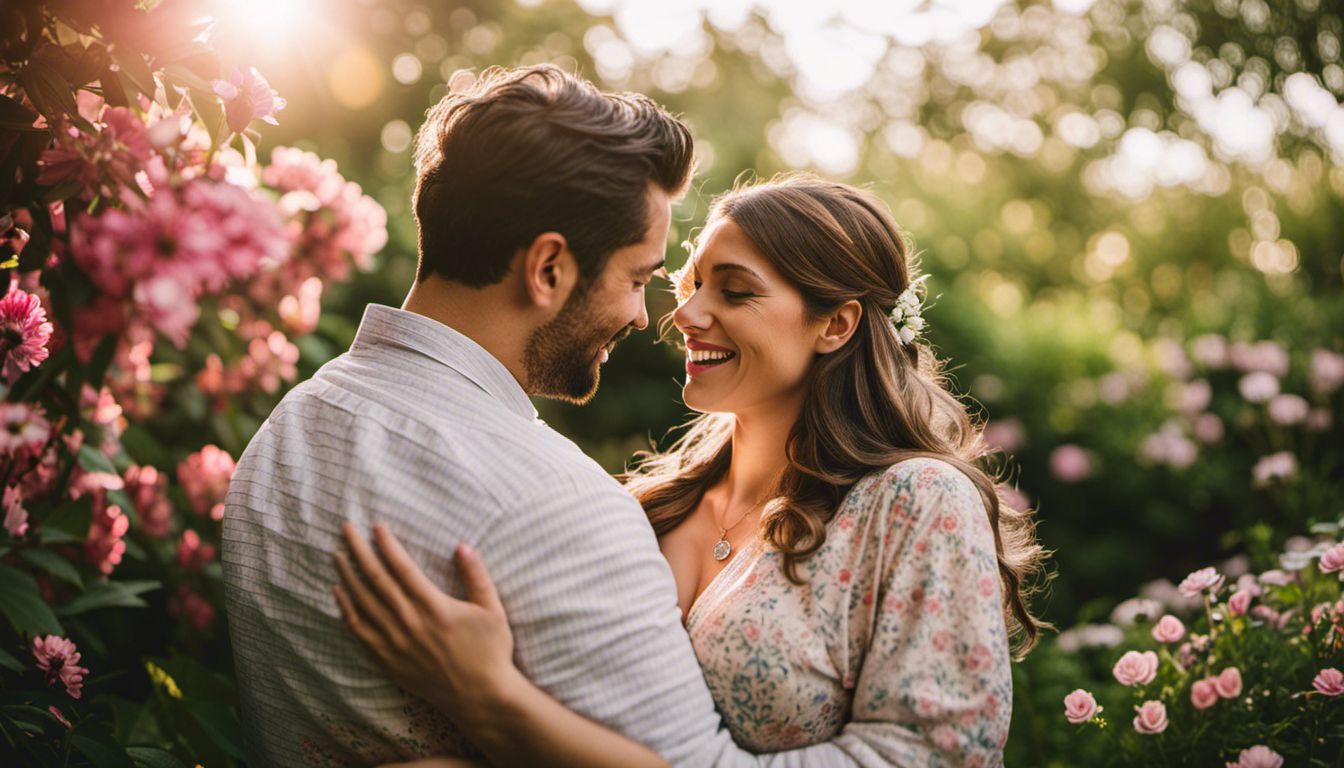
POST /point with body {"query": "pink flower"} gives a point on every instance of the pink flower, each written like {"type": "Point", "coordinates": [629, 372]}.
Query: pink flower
{"type": "Point", "coordinates": [16, 517]}
{"type": "Point", "coordinates": [1136, 668]}
{"type": "Point", "coordinates": [59, 658]}
{"type": "Point", "coordinates": [1210, 350]}
{"type": "Point", "coordinates": [1329, 681]}
{"type": "Point", "coordinates": [191, 606]}
{"type": "Point", "coordinates": [1150, 717]}
{"type": "Point", "coordinates": [1320, 420]}
{"type": "Point", "coordinates": [1276, 578]}
{"type": "Point", "coordinates": [1080, 706]}
{"type": "Point", "coordinates": [1264, 356]}
{"type": "Point", "coordinates": [24, 333]}
{"type": "Point", "coordinates": [1258, 387]}
{"type": "Point", "coordinates": [101, 161]}
{"type": "Point", "coordinates": [1204, 693]}
{"type": "Point", "coordinates": [192, 553]}
{"type": "Point", "coordinates": [1276, 466]}
{"type": "Point", "coordinates": [148, 489]}
{"type": "Point", "coordinates": [205, 477]}
{"type": "Point", "coordinates": [24, 430]}
{"type": "Point", "coordinates": [1228, 683]}
{"type": "Point", "coordinates": [1239, 603]}
{"type": "Point", "coordinates": [1327, 371]}
{"type": "Point", "coordinates": [1004, 435]}
{"type": "Point", "coordinates": [1333, 560]}
{"type": "Point", "coordinates": [1208, 428]}
{"type": "Point", "coordinates": [1287, 410]}
{"type": "Point", "coordinates": [60, 718]}
{"type": "Point", "coordinates": [1258, 756]}
{"type": "Point", "coordinates": [1205, 579]}
{"type": "Point", "coordinates": [104, 546]}
{"type": "Point", "coordinates": [1168, 629]}
{"type": "Point", "coordinates": [247, 97]}
{"type": "Point", "coordinates": [1070, 463]}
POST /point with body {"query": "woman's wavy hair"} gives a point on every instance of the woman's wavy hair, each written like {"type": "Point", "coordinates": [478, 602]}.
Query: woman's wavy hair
{"type": "Point", "coordinates": [870, 404]}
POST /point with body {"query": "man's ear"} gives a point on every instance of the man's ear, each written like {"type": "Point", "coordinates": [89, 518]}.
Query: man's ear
{"type": "Point", "coordinates": [840, 326]}
{"type": "Point", "coordinates": [549, 271]}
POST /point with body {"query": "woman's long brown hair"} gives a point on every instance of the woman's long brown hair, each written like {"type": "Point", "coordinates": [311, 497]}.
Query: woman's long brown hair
{"type": "Point", "coordinates": [870, 404]}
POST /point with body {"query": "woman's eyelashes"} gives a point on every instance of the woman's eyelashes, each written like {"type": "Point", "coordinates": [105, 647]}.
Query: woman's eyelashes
{"type": "Point", "coordinates": [731, 295]}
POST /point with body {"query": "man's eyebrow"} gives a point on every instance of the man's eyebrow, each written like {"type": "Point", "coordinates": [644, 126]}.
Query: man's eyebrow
{"type": "Point", "coordinates": [649, 270]}
{"type": "Point", "coordinates": [730, 267]}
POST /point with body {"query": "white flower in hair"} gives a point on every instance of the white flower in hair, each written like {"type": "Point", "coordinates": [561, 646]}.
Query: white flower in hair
{"type": "Point", "coordinates": [906, 316]}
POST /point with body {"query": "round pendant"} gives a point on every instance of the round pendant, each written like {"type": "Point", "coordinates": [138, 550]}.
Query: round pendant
{"type": "Point", "coordinates": [722, 549]}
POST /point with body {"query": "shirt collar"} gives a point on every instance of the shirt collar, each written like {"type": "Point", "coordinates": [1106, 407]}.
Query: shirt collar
{"type": "Point", "coordinates": [384, 326]}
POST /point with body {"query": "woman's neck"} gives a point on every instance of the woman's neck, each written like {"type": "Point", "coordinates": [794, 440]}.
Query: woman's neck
{"type": "Point", "coordinates": [758, 457]}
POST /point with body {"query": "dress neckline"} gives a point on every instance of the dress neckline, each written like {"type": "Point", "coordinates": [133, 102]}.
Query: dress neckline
{"type": "Point", "coordinates": [723, 581]}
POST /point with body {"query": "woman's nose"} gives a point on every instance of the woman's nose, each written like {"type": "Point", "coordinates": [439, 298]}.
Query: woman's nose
{"type": "Point", "coordinates": [690, 314]}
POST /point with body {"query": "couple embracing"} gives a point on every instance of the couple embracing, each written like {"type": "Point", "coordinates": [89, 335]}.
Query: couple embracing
{"type": "Point", "coordinates": [817, 573]}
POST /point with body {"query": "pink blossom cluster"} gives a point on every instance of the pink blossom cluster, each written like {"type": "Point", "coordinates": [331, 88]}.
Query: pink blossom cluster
{"type": "Point", "coordinates": [16, 517]}
{"type": "Point", "coordinates": [148, 489]}
{"type": "Point", "coordinates": [1207, 691]}
{"type": "Point", "coordinates": [205, 475]}
{"type": "Point", "coordinates": [193, 554]}
{"type": "Point", "coordinates": [271, 360]}
{"type": "Point", "coordinates": [59, 659]}
{"type": "Point", "coordinates": [158, 256]}
{"type": "Point", "coordinates": [197, 610]}
{"type": "Point", "coordinates": [1275, 467]}
{"type": "Point", "coordinates": [24, 334]}
{"type": "Point", "coordinates": [1169, 446]}
{"type": "Point", "coordinates": [1136, 668]}
{"type": "Point", "coordinates": [104, 546]}
{"type": "Point", "coordinates": [102, 162]}
{"type": "Point", "coordinates": [1259, 756]}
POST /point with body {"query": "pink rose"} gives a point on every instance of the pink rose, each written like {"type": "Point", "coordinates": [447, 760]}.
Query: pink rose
{"type": "Point", "coordinates": [1333, 559]}
{"type": "Point", "coordinates": [1204, 693]}
{"type": "Point", "coordinates": [1080, 706]}
{"type": "Point", "coordinates": [1258, 756]}
{"type": "Point", "coordinates": [1228, 683]}
{"type": "Point", "coordinates": [1168, 629]}
{"type": "Point", "coordinates": [1329, 681]}
{"type": "Point", "coordinates": [1136, 668]}
{"type": "Point", "coordinates": [1239, 603]}
{"type": "Point", "coordinates": [1201, 580]}
{"type": "Point", "coordinates": [1151, 717]}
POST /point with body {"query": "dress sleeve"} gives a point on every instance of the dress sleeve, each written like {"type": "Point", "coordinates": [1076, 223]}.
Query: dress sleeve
{"type": "Point", "coordinates": [935, 685]}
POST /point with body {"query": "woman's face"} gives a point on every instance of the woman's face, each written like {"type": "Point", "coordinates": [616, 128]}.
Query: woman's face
{"type": "Point", "coordinates": [749, 341]}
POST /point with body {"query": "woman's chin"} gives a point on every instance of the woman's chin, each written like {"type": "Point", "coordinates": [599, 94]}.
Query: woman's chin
{"type": "Point", "coordinates": [697, 399]}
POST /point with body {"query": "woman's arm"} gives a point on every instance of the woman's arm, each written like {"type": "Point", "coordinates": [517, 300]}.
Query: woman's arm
{"type": "Point", "coordinates": [417, 632]}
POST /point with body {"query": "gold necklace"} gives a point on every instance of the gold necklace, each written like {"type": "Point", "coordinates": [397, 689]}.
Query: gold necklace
{"type": "Point", "coordinates": [723, 548]}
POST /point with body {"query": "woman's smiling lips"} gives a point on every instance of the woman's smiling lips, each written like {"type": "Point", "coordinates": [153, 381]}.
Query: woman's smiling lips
{"type": "Point", "coordinates": [702, 356]}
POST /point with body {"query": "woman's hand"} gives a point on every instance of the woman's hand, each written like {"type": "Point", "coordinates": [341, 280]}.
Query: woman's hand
{"type": "Point", "coordinates": [455, 654]}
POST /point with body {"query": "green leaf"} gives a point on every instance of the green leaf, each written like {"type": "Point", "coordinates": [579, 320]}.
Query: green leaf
{"type": "Point", "coordinates": [23, 605]}
{"type": "Point", "coordinates": [9, 662]}
{"type": "Point", "coordinates": [220, 722]}
{"type": "Point", "coordinates": [68, 522]}
{"type": "Point", "coordinates": [92, 739]}
{"type": "Point", "coordinates": [185, 76]}
{"type": "Point", "coordinates": [150, 757]}
{"type": "Point", "coordinates": [207, 107]}
{"type": "Point", "coordinates": [109, 594]}
{"type": "Point", "coordinates": [54, 564]}
{"type": "Point", "coordinates": [16, 117]}
{"type": "Point", "coordinates": [30, 718]}
{"type": "Point", "coordinates": [49, 91]}
{"type": "Point", "coordinates": [132, 65]}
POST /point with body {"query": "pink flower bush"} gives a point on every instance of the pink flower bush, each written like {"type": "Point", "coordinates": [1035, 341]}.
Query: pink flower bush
{"type": "Point", "coordinates": [1203, 580]}
{"type": "Point", "coordinates": [1150, 717]}
{"type": "Point", "coordinates": [24, 333]}
{"type": "Point", "coordinates": [1258, 756]}
{"type": "Point", "coordinates": [205, 476]}
{"type": "Point", "coordinates": [1070, 463]}
{"type": "Point", "coordinates": [1329, 681]}
{"type": "Point", "coordinates": [16, 517]}
{"type": "Point", "coordinates": [1080, 706]}
{"type": "Point", "coordinates": [1168, 629]}
{"type": "Point", "coordinates": [1204, 693]}
{"type": "Point", "coordinates": [247, 97]}
{"type": "Point", "coordinates": [1228, 683]}
{"type": "Point", "coordinates": [59, 659]}
{"type": "Point", "coordinates": [162, 254]}
{"type": "Point", "coordinates": [101, 162]}
{"type": "Point", "coordinates": [1136, 668]}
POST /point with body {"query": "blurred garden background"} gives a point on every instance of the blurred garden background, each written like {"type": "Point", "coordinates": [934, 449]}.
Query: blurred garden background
{"type": "Point", "coordinates": [1132, 212]}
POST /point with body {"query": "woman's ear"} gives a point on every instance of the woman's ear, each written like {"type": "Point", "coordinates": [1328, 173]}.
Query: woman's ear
{"type": "Point", "coordinates": [841, 325]}
{"type": "Point", "coordinates": [549, 271]}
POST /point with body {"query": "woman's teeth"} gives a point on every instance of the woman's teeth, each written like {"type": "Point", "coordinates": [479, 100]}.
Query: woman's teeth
{"type": "Point", "coordinates": [708, 356]}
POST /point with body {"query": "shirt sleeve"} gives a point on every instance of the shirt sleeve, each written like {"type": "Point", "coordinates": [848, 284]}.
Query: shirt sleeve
{"type": "Point", "coordinates": [935, 686]}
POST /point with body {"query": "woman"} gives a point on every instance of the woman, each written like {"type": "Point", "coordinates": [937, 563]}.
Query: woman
{"type": "Point", "coordinates": [841, 562]}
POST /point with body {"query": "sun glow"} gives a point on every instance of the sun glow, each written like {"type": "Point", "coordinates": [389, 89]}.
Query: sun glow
{"type": "Point", "coordinates": [264, 21]}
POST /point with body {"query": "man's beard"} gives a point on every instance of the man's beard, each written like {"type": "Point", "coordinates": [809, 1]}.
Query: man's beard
{"type": "Point", "coordinates": [560, 355]}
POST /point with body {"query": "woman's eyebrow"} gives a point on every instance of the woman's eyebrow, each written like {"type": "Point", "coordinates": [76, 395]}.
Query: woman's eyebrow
{"type": "Point", "coordinates": [730, 267]}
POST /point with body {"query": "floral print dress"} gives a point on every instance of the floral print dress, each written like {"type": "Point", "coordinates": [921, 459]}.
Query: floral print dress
{"type": "Point", "coordinates": [895, 647]}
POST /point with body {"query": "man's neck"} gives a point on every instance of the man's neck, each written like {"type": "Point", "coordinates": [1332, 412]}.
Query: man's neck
{"type": "Point", "coordinates": [486, 315]}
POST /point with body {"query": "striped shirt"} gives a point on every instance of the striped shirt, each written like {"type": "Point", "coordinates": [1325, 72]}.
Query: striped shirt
{"type": "Point", "coordinates": [419, 428]}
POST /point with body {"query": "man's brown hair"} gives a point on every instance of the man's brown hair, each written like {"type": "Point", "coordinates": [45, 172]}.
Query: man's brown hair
{"type": "Point", "coordinates": [536, 149]}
